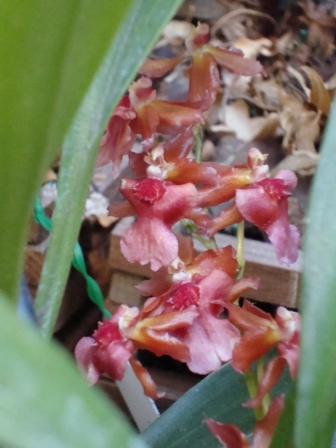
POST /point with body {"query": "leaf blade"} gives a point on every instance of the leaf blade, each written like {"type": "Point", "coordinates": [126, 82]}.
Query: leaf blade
{"type": "Point", "coordinates": [146, 19]}
{"type": "Point", "coordinates": [43, 399]}
{"type": "Point", "coordinates": [284, 433]}
{"type": "Point", "coordinates": [219, 396]}
{"type": "Point", "coordinates": [33, 49]}
{"type": "Point", "coordinates": [316, 402]}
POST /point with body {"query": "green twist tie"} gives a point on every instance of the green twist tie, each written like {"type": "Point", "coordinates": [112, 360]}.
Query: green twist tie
{"type": "Point", "coordinates": [78, 262]}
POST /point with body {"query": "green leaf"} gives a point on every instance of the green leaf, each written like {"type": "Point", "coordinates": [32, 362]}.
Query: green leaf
{"type": "Point", "coordinates": [49, 51]}
{"type": "Point", "coordinates": [219, 396]}
{"type": "Point", "coordinates": [316, 401]}
{"type": "Point", "coordinates": [284, 434]}
{"type": "Point", "coordinates": [44, 402]}
{"type": "Point", "coordinates": [133, 42]}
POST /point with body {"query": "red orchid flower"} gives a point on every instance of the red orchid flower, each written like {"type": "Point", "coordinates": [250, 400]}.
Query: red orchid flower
{"type": "Point", "coordinates": [233, 178]}
{"type": "Point", "coordinates": [174, 147]}
{"type": "Point", "coordinates": [118, 139]}
{"type": "Point", "coordinates": [203, 73]}
{"type": "Point", "coordinates": [190, 267]}
{"type": "Point", "coordinates": [231, 437]}
{"type": "Point", "coordinates": [141, 113]}
{"type": "Point", "coordinates": [265, 204]}
{"type": "Point", "coordinates": [209, 338]}
{"type": "Point", "coordinates": [261, 332]}
{"type": "Point", "coordinates": [107, 351]}
{"type": "Point", "coordinates": [260, 200]}
{"type": "Point", "coordinates": [159, 163]}
{"type": "Point", "coordinates": [116, 340]}
{"type": "Point", "coordinates": [158, 206]}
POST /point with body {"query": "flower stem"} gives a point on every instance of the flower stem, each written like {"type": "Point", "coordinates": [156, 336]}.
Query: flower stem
{"type": "Point", "coordinates": [260, 372]}
{"type": "Point", "coordinates": [198, 141]}
{"type": "Point", "coordinates": [251, 381]}
{"type": "Point", "coordinates": [198, 146]}
{"type": "Point", "coordinates": [207, 243]}
{"type": "Point", "coordinates": [240, 249]}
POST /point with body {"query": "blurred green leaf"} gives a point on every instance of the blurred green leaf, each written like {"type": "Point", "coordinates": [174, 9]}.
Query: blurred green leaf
{"type": "Point", "coordinates": [316, 400]}
{"type": "Point", "coordinates": [49, 52]}
{"type": "Point", "coordinates": [44, 402]}
{"type": "Point", "coordinates": [219, 396]}
{"type": "Point", "coordinates": [284, 434]}
{"type": "Point", "coordinates": [133, 42]}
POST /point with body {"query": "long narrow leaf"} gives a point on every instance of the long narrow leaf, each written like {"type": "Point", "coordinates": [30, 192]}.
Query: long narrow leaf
{"type": "Point", "coordinates": [219, 396]}
{"type": "Point", "coordinates": [316, 405]}
{"type": "Point", "coordinates": [49, 51]}
{"type": "Point", "coordinates": [284, 434]}
{"type": "Point", "coordinates": [44, 402]}
{"type": "Point", "coordinates": [133, 42]}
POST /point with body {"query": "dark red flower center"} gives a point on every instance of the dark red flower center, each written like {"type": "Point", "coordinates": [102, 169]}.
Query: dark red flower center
{"type": "Point", "coordinates": [149, 190]}
{"type": "Point", "coordinates": [106, 333]}
{"type": "Point", "coordinates": [202, 35]}
{"type": "Point", "coordinates": [185, 296]}
{"type": "Point", "coordinates": [275, 188]}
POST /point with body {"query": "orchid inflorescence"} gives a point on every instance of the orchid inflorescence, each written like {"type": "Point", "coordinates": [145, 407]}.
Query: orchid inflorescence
{"type": "Point", "coordinates": [189, 293]}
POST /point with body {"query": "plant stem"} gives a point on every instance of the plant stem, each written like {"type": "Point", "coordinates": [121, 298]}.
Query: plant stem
{"type": "Point", "coordinates": [240, 249]}
{"type": "Point", "coordinates": [207, 243]}
{"type": "Point", "coordinates": [260, 372]}
{"type": "Point", "coordinates": [251, 381]}
{"type": "Point", "coordinates": [198, 140]}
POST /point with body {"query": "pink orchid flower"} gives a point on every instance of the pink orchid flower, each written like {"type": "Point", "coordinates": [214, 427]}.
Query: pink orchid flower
{"type": "Point", "coordinates": [265, 204]}
{"type": "Point", "coordinates": [209, 338]}
{"type": "Point", "coordinates": [203, 73]}
{"type": "Point", "coordinates": [118, 139]}
{"type": "Point", "coordinates": [158, 206]}
{"type": "Point", "coordinates": [261, 332]}
{"type": "Point", "coordinates": [190, 267]}
{"type": "Point", "coordinates": [261, 200]}
{"type": "Point", "coordinates": [115, 341]}
{"type": "Point", "coordinates": [141, 113]}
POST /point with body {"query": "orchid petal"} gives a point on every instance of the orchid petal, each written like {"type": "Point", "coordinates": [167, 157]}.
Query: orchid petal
{"type": "Point", "coordinates": [145, 379]}
{"type": "Point", "coordinates": [156, 68]}
{"type": "Point", "coordinates": [188, 170]}
{"type": "Point", "coordinates": [222, 258]}
{"type": "Point", "coordinates": [264, 429]}
{"type": "Point", "coordinates": [162, 344]}
{"type": "Point", "coordinates": [84, 352]}
{"type": "Point", "coordinates": [285, 237]}
{"type": "Point", "coordinates": [270, 377]}
{"type": "Point", "coordinates": [143, 243]}
{"type": "Point", "coordinates": [228, 434]}
{"type": "Point", "coordinates": [210, 341]}
{"type": "Point", "coordinates": [113, 358]}
{"type": "Point", "coordinates": [203, 81]}
{"type": "Point", "coordinates": [234, 62]}
{"type": "Point", "coordinates": [253, 346]}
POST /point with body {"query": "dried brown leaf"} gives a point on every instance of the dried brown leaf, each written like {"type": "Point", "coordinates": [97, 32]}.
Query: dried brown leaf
{"type": "Point", "coordinates": [301, 126]}
{"type": "Point", "coordinates": [302, 162]}
{"type": "Point", "coordinates": [254, 47]}
{"type": "Point", "coordinates": [319, 95]}
{"type": "Point", "coordinates": [231, 26]}
{"type": "Point", "coordinates": [236, 116]}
